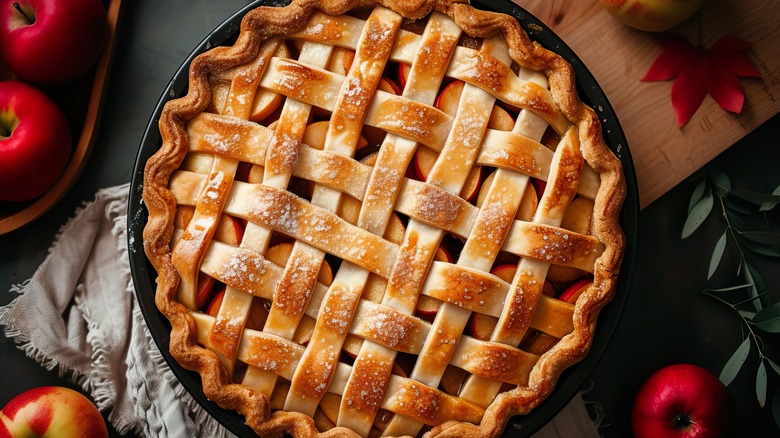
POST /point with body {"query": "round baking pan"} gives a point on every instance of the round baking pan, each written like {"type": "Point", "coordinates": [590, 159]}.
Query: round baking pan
{"type": "Point", "coordinates": [570, 382]}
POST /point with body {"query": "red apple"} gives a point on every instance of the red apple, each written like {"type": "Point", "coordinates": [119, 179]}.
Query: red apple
{"type": "Point", "coordinates": [51, 411]}
{"type": "Point", "coordinates": [574, 291]}
{"type": "Point", "coordinates": [505, 271]}
{"type": "Point", "coordinates": [216, 302]}
{"type": "Point", "coordinates": [341, 60]}
{"type": "Point", "coordinates": [682, 401]}
{"type": "Point", "coordinates": [35, 142]}
{"type": "Point", "coordinates": [442, 254]}
{"type": "Point", "coordinates": [204, 291]}
{"type": "Point", "coordinates": [538, 343]}
{"type": "Point", "coordinates": [387, 85]}
{"type": "Point", "coordinates": [52, 41]}
{"type": "Point", "coordinates": [540, 186]}
{"type": "Point", "coordinates": [304, 331]}
{"type": "Point", "coordinates": [258, 314]}
{"type": "Point", "coordinates": [652, 15]}
{"type": "Point", "coordinates": [230, 230]}
{"type": "Point", "coordinates": [449, 99]}
{"type": "Point", "coordinates": [482, 326]}
{"type": "Point", "coordinates": [427, 307]}
{"type": "Point", "coordinates": [403, 73]}
{"type": "Point", "coordinates": [424, 159]}
{"type": "Point", "coordinates": [452, 379]}
{"type": "Point", "coordinates": [5, 72]}
{"type": "Point", "coordinates": [352, 345]}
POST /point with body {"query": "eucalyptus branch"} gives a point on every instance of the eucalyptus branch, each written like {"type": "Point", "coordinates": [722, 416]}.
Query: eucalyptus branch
{"type": "Point", "coordinates": [745, 321]}
{"type": "Point", "coordinates": [741, 204]}
{"type": "Point", "coordinates": [730, 228]}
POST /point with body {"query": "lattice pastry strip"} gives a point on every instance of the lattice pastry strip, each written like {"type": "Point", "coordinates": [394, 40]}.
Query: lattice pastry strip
{"type": "Point", "coordinates": [502, 149]}
{"type": "Point", "coordinates": [237, 266]}
{"type": "Point", "coordinates": [202, 226]}
{"type": "Point", "coordinates": [323, 65]}
{"type": "Point", "coordinates": [373, 363]}
{"type": "Point", "coordinates": [451, 319]}
{"type": "Point", "coordinates": [251, 272]}
{"type": "Point", "coordinates": [247, 270]}
{"type": "Point", "coordinates": [427, 405]}
{"type": "Point", "coordinates": [236, 305]}
{"type": "Point", "coordinates": [284, 316]}
{"type": "Point", "coordinates": [467, 64]}
{"type": "Point", "coordinates": [526, 288]}
{"type": "Point", "coordinates": [313, 375]}
{"type": "Point", "coordinates": [414, 197]}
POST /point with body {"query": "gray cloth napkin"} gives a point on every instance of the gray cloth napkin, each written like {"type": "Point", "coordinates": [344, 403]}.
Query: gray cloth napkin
{"type": "Point", "coordinates": [78, 315]}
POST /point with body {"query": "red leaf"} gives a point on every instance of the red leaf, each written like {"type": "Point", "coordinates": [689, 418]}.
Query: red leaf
{"type": "Point", "coordinates": [730, 44]}
{"type": "Point", "coordinates": [698, 72]}
{"type": "Point", "coordinates": [728, 53]}
{"type": "Point", "coordinates": [725, 88]}
{"type": "Point", "coordinates": [689, 89]}
{"type": "Point", "coordinates": [676, 53]}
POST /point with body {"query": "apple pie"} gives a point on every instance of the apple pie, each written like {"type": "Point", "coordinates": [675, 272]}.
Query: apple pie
{"type": "Point", "coordinates": [381, 220]}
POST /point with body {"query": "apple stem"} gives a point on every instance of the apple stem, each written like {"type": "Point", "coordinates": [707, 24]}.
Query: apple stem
{"type": "Point", "coordinates": [19, 8]}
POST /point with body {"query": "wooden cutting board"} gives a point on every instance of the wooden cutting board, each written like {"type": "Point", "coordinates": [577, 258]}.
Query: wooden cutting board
{"type": "Point", "coordinates": [619, 56]}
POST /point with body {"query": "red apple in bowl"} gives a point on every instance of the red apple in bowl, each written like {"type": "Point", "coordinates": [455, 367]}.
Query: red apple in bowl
{"type": "Point", "coordinates": [5, 72]}
{"type": "Point", "coordinates": [52, 41]}
{"type": "Point", "coordinates": [49, 412]}
{"type": "Point", "coordinates": [682, 401]}
{"type": "Point", "coordinates": [35, 142]}
{"type": "Point", "coordinates": [652, 15]}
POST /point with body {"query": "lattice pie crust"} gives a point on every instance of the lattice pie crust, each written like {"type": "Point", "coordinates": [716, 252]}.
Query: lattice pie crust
{"type": "Point", "coordinates": [362, 218]}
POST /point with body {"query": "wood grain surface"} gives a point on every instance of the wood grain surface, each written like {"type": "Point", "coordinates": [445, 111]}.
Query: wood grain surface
{"type": "Point", "coordinates": [619, 56]}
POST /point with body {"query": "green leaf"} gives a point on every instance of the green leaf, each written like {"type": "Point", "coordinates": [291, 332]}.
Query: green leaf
{"type": "Point", "coordinates": [736, 220]}
{"type": "Point", "coordinates": [721, 180]}
{"type": "Point", "coordinates": [768, 319]}
{"type": "Point", "coordinates": [735, 362]}
{"type": "Point", "coordinates": [748, 273]}
{"type": "Point", "coordinates": [774, 365]}
{"type": "Point", "coordinates": [717, 255]}
{"type": "Point", "coordinates": [765, 237]}
{"type": "Point", "coordinates": [754, 197]}
{"type": "Point", "coordinates": [746, 314]}
{"type": "Point", "coordinates": [766, 206]}
{"type": "Point", "coordinates": [747, 300]}
{"type": "Point", "coordinates": [730, 288]}
{"type": "Point", "coordinates": [750, 299]}
{"type": "Point", "coordinates": [769, 326]}
{"type": "Point", "coordinates": [698, 214]}
{"type": "Point", "coordinates": [776, 408]}
{"type": "Point", "coordinates": [736, 205]}
{"type": "Point", "coordinates": [760, 248]}
{"type": "Point", "coordinates": [697, 194]}
{"type": "Point", "coordinates": [761, 384]}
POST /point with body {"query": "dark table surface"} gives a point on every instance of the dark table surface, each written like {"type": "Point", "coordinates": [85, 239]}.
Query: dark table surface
{"type": "Point", "coordinates": [667, 319]}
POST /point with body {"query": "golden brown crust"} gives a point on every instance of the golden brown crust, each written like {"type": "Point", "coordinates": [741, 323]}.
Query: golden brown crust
{"type": "Point", "coordinates": [264, 23]}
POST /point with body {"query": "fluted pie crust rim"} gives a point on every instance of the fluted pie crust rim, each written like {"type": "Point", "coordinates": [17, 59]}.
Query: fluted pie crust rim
{"type": "Point", "coordinates": [265, 22]}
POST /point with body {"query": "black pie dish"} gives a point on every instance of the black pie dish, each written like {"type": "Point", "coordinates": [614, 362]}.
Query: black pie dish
{"type": "Point", "coordinates": [571, 381]}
